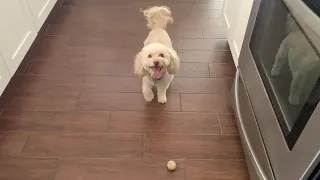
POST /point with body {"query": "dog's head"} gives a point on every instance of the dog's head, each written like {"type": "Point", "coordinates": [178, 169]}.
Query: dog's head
{"type": "Point", "coordinates": [156, 59]}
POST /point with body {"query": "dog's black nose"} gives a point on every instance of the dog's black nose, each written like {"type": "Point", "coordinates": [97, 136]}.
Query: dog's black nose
{"type": "Point", "coordinates": [156, 63]}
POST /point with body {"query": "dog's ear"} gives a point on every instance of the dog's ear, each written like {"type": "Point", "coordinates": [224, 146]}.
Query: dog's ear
{"type": "Point", "coordinates": [138, 68]}
{"type": "Point", "coordinates": [174, 62]}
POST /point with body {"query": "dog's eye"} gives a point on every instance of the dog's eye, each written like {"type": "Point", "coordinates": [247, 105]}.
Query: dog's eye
{"type": "Point", "coordinates": [161, 55]}
{"type": "Point", "coordinates": [149, 56]}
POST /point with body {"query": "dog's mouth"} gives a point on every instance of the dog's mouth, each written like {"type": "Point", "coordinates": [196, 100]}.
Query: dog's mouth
{"type": "Point", "coordinates": [157, 71]}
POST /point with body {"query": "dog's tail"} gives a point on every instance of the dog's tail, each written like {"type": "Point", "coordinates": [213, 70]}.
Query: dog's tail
{"type": "Point", "coordinates": [157, 17]}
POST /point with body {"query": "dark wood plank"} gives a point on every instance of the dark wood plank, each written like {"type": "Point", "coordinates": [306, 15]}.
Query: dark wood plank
{"type": "Point", "coordinates": [194, 70]}
{"type": "Point", "coordinates": [62, 54]}
{"type": "Point", "coordinates": [228, 124]}
{"type": "Point", "coordinates": [118, 169]}
{"type": "Point", "coordinates": [48, 100]}
{"type": "Point", "coordinates": [27, 169]}
{"type": "Point", "coordinates": [215, 33]}
{"type": "Point", "coordinates": [83, 145]}
{"type": "Point", "coordinates": [193, 146]}
{"type": "Point", "coordinates": [199, 24]}
{"type": "Point", "coordinates": [55, 121]}
{"type": "Point", "coordinates": [109, 54]}
{"type": "Point", "coordinates": [164, 122]}
{"type": "Point", "coordinates": [95, 15]}
{"type": "Point", "coordinates": [218, 103]}
{"type": "Point", "coordinates": [186, 33]}
{"type": "Point", "coordinates": [23, 83]}
{"type": "Point", "coordinates": [51, 42]}
{"type": "Point", "coordinates": [194, 13]}
{"type": "Point", "coordinates": [206, 14]}
{"type": "Point", "coordinates": [99, 83]}
{"type": "Point", "coordinates": [126, 69]}
{"type": "Point", "coordinates": [97, 31]}
{"type": "Point", "coordinates": [216, 170]}
{"type": "Point", "coordinates": [72, 67]}
{"type": "Point", "coordinates": [210, 5]}
{"type": "Point", "coordinates": [201, 85]}
{"type": "Point", "coordinates": [68, 85]}
{"type": "Point", "coordinates": [124, 101]}
{"type": "Point", "coordinates": [11, 143]}
{"type": "Point", "coordinates": [222, 70]}
{"type": "Point", "coordinates": [202, 44]}
{"type": "Point", "coordinates": [85, 3]}
{"type": "Point", "coordinates": [114, 42]}
{"type": "Point", "coordinates": [205, 56]}
{"type": "Point", "coordinates": [46, 44]}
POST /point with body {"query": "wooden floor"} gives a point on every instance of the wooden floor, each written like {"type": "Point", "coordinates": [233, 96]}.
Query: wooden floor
{"type": "Point", "coordinates": [74, 111]}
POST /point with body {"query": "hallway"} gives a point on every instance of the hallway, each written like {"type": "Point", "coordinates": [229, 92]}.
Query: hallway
{"type": "Point", "coordinates": [74, 110]}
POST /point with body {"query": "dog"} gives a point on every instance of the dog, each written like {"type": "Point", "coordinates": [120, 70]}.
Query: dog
{"type": "Point", "coordinates": [303, 61]}
{"type": "Point", "coordinates": [157, 62]}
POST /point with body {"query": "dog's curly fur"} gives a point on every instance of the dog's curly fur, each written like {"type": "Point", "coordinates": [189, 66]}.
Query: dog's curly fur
{"type": "Point", "coordinates": [157, 52]}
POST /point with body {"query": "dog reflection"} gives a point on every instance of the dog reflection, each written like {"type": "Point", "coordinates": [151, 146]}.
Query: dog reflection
{"type": "Point", "coordinates": [303, 61]}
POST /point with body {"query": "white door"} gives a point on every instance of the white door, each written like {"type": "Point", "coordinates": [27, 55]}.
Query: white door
{"type": "Point", "coordinates": [4, 75]}
{"type": "Point", "coordinates": [17, 32]}
{"type": "Point", "coordinates": [40, 10]}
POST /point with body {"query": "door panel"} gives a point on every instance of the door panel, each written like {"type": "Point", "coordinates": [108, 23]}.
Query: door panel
{"type": "Point", "coordinates": [40, 10]}
{"type": "Point", "coordinates": [17, 32]}
{"type": "Point", "coordinates": [4, 75]}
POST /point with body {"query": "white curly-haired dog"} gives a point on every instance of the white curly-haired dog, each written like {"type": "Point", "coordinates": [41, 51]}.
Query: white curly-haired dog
{"type": "Point", "coordinates": [157, 62]}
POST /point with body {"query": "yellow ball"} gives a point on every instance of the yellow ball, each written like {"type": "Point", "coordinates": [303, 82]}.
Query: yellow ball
{"type": "Point", "coordinates": [171, 165]}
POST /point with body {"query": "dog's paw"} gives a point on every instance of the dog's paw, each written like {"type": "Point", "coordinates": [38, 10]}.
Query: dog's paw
{"type": "Point", "coordinates": [148, 96]}
{"type": "Point", "coordinates": [275, 72]}
{"type": "Point", "coordinates": [294, 100]}
{"type": "Point", "coordinates": [162, 99]}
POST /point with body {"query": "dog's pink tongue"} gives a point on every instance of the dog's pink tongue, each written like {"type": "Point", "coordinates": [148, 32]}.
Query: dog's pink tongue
{"type": "Point", "coordinates": [157, 72]}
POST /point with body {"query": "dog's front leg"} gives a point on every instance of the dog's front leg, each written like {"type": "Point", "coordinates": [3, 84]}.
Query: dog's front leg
{"type": "Point", "coordinates": [147, 90]}
{"type": "Point", "coordinates": [162, 93]}
{"type": "Point", "coordinates": [281, 58]}
{"type": "Point", "coordinates": [162, 87]}
{"type": "Point", "coordinates": [297, 84]}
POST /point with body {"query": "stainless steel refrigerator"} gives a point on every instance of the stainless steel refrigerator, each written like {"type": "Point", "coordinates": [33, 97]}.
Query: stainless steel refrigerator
{"type": "Point", "coordinates": [277, 90]}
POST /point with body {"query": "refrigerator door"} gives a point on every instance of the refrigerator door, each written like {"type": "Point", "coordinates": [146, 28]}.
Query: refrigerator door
{"type": "Point", "coordinates": [289, 129]}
